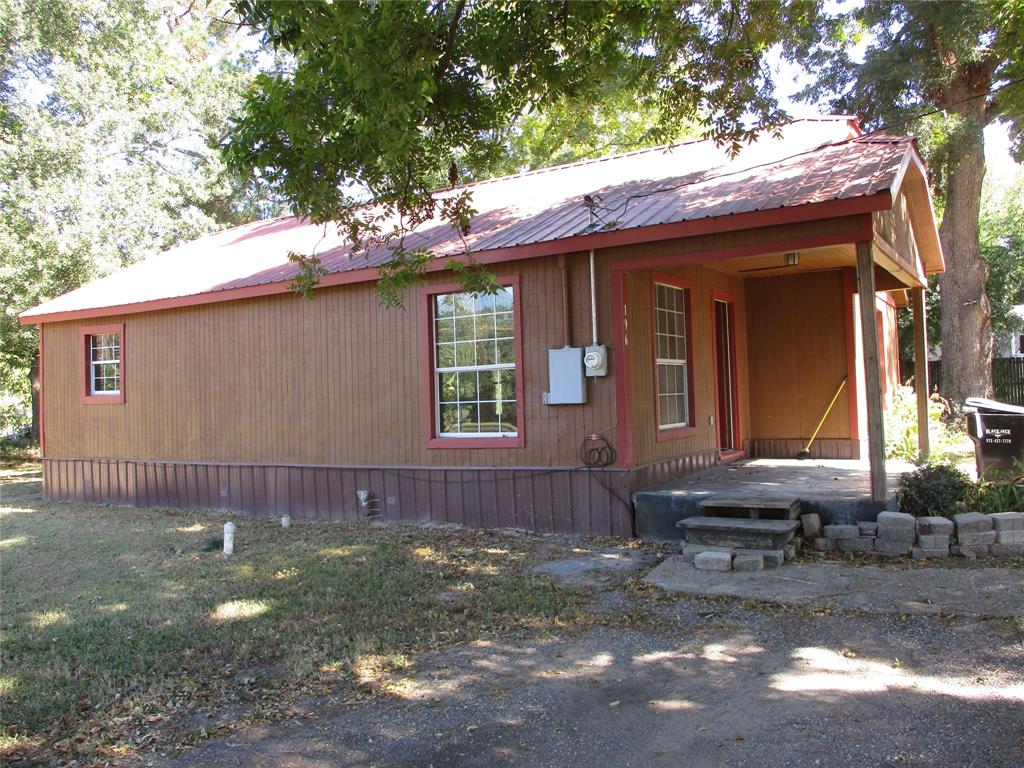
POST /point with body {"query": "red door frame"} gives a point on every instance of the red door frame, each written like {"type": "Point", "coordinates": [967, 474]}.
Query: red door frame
{"type": "Point", "coordinates": [737, 425]}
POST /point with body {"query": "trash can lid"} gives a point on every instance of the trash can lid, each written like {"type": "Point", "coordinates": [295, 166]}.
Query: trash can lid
{"type": "Point", "coordinates": [985, 405]}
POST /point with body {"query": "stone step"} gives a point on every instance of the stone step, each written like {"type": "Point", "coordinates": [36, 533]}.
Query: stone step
{"type": "Point", "coordinates": [772, 557]}
{"type": "Point", "coordinates": [739, 533]}
{"type": "Point", "coordinates": [753, 509]}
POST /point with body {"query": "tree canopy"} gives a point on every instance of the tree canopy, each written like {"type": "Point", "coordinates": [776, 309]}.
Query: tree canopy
{"type": "Point", "coordinates": [389, 101]}
{"type": "Point", "coordinates": [942, 71]}
{"type": "Point", "coordinates": [111, 118]}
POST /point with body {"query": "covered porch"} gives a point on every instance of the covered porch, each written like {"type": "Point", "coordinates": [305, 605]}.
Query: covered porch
{"type": "Point", "coordinates": [838, 490]}
{"type": "Point", "coordinates": [771, 341]}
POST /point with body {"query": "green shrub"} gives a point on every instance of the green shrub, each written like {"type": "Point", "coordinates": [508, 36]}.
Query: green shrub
{"type": "Point", "coordinates": [934, 490]}
{"type": "Point", "coordinates": [1000, 491]}
{"type": "Point", "coordinates": [946, 433]}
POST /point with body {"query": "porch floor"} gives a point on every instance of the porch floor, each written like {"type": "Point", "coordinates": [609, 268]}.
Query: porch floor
{"type": "Point", "coordinates": [838, 490]}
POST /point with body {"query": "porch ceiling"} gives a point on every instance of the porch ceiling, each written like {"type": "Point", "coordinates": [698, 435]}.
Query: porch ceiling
{"type": "Point", "coordinates": [889, 274]}
{"type": "Point", "coordinates": [774, 263]}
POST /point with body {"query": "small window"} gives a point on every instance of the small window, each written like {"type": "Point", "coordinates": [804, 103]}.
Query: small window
{"type": "Point", "coordinates": [474, 353]}
{"type": "Point", "coordinates": [103, 364]}
{"type": "Point", "coordinates": [672, 368]}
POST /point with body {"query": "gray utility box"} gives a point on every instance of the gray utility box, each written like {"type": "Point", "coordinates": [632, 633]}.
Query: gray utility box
{"type": "Point", "coordinates": [566, 382]}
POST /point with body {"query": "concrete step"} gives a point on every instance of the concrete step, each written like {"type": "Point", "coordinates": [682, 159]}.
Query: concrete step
{"type": "Point", "coordinates": [735, 532]}
{"type": "Point", "coordinates": [772, 557]}
{"type": "Point", "coordinates": [752, 509]}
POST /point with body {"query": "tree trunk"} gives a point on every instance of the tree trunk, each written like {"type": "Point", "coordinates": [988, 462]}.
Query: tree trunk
{"type": "Point", "coordinates": [966, 322]}
{"type": "Point", "coordinates": [35, 381]}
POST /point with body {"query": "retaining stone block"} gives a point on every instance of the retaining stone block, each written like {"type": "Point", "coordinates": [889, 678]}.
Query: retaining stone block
{"type": "Point", "coordinates": [842, 531]}
{"type": "Point", "coordinates": [690, 551]}
{"type": "Point", "coordinates": [895, 521]}
{"type": "Point", "coordinates": [868, 529]}
{"type": "Point", "coordinates": [713, 561]}
{"type": "Point", "coordinates": [811, 523]}
{"type": "Point", "coordinates": [860, 544]}
{"type": "Point", "coordinates": [1010, 537]}
{"type": "Point", "coordinates": [972, 522]}
{"type": "Point", "coordinates": [773, 558]}
{"type": "Point", "coordinates": [900, 535]}
{"type": "Point", "coordinates": [977, 539]}
{"type": "Point", "coordinates": [893, 548]}
{"type": "Point", "coordinates": [933, 541]}
{"type": "Point", "coordinates": [1008, 521]}
{"type": "Point", "coordinates": [1007, 550]}
{"type": "Point", "coordinates": [923, 553]}
{"type": "Point", "coordinates": [822, 544]}
{"type": "Point", "coordinates": [969, 552]}
{"type": "Point", "coordinates": [935, 526]}
{"type": "Point", "coordinates": [748, 563]}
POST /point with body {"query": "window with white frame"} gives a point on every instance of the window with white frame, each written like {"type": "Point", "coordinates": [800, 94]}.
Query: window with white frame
{"type": "Point", "coordinates": [475, 365]}
{"type": "Point", "coordinates": [104, 364]}
{"type": "Point", "coordinates": [671, 364]}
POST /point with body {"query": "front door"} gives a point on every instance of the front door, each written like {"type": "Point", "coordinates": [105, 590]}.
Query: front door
{"type": "Point", "coordinates": [725, 374]}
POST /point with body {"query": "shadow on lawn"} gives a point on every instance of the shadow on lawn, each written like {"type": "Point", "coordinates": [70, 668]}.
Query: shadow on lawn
{"type": "Point", "coordinates": [620, 697]}
{"type": "Point", "coordinates": [122, 634]}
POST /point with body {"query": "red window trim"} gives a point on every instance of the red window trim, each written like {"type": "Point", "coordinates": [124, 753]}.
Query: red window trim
{"type": "Point", "coordinates": [84, 333]}
{"type": "Point", "coordinates": [672, 433]}
{"type": "Point", "coordinates": [427, 293]}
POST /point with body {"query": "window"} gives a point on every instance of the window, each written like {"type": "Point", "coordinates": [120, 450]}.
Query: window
{"type": "Point", "coordinates": [672, 355]}
{"type": "Point", "coordinates": [103, 364]}
{"type": "Point", "coordinates": [476, 389]}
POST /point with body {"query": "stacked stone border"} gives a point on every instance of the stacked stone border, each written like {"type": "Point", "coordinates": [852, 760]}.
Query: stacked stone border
{"type": "Point", "coordinates": [895, 534]}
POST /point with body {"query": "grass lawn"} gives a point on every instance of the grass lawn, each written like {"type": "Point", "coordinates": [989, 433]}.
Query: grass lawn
{"type": "Point", "coordinates": [123, 631]}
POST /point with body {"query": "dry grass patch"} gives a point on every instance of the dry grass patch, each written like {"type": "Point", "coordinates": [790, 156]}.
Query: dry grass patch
{"type": "Point", "coordinates": [123, 632]}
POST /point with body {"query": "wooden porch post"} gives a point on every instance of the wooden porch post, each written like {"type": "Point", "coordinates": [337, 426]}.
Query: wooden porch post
{"type": "Point", "coordinates": [921, 371]}
{"type": "Point", "coordinates": [872, 372]}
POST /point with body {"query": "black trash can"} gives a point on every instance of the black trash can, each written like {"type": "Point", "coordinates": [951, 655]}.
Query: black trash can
{"type": "Point", "coordinates": [997, 430]}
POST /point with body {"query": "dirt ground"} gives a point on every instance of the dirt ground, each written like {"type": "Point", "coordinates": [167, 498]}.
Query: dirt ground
{"type": "Point", "coordinates": [698, 682]}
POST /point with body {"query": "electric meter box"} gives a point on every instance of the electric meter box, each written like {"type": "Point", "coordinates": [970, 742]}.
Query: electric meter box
{"type": "Point", "coordinates": [566, 381]}
{"type": "Point", "coordinates": [595, 360]}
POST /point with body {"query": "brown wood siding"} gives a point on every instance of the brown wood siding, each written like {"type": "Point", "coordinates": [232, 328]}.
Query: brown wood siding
{"type": "Point", "coordinates": [335, 380]}
{"type": "Point", "coordinates": [797, 355]}
{"type": "Point", "coordinates": [896, 229]}
{"type": "Point", "coordinates": [339, 380]}
{"type": "Point", "coordinates": [639, 308]}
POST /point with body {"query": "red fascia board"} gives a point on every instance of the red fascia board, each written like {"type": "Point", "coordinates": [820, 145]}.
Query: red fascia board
{"type": "Point", "coordinates": [656, 232]}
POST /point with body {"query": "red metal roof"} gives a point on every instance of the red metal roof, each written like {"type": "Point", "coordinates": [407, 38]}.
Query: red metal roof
{"type": "Point", "coordinates": [812, 161]}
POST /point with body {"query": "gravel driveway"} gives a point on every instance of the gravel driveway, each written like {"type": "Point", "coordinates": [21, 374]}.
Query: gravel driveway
{"type": "Point", "coordinates": [700, 682]}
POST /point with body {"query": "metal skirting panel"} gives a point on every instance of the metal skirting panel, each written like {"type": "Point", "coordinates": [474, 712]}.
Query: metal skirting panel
{"type": "Point", "coordinates": [593, 502]}
{"type": "Point", "coordinates": [763, 448]}
{"type": "Point", "coordinates": [660, 471]}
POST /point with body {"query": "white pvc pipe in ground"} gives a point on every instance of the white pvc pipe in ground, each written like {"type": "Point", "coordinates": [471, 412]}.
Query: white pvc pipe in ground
{"type": "Point", "coordinates": [229, 538]}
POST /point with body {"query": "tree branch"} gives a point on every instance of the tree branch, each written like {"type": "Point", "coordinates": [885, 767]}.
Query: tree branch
{"type": "Point", "coordinates": [446, 55]}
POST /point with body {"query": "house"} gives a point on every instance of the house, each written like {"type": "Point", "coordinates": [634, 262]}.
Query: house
{"type": "Point", "coordinates": [661, 311]}
{"type": "Point", "coordinates": [1011, 344]}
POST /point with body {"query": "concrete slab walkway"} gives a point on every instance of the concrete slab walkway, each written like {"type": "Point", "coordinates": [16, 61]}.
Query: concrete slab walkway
{"type": "Point", "coordinates": [874, 589]}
